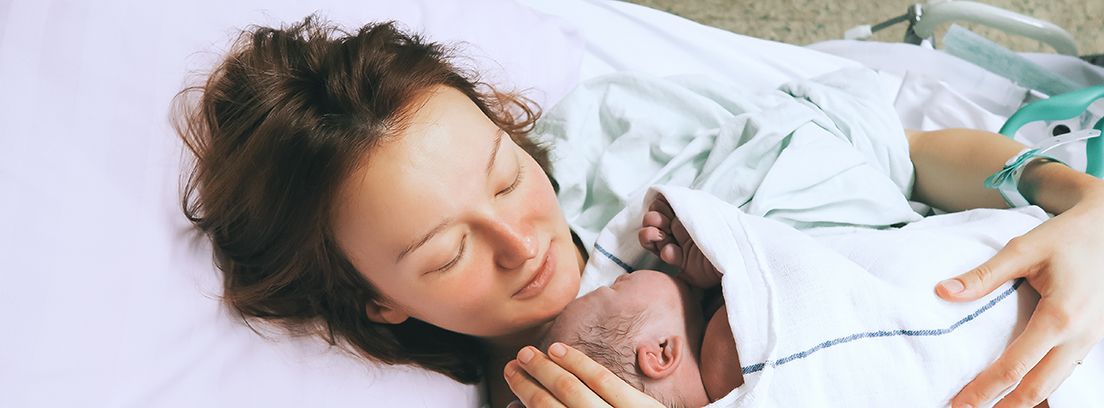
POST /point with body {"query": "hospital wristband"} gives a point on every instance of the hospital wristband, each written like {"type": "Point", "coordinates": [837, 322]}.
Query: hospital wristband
{"type": "Point", "coordinates": [1007, 180]}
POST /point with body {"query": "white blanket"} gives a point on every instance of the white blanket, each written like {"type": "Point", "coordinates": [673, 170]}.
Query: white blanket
{"type": "Point", "coordinates": [851, 318]}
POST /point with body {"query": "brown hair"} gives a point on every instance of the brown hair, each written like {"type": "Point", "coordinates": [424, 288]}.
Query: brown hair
{"type": "Point", "coordinates": [278, 125]}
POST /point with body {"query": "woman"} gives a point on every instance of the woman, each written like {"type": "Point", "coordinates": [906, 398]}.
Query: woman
{"type": "Point", "coordinates": [361, 187]}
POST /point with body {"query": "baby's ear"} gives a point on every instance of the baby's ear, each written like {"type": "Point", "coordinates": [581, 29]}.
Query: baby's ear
{"type": "Point", "coordinates": [659, 357]}
{"type": "Point", "coordinates": [384, 313]}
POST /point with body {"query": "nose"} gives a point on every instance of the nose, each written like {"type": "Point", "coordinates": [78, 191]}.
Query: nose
{"type": "Point", "coordinates": [515, 244]}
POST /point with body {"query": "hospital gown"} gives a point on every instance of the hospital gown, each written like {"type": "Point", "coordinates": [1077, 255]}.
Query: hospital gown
{"type": "Point", "coordinates": [817, 153]}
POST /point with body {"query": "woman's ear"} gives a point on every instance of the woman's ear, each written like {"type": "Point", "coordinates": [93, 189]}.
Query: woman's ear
{"type": "Point", "coordinates": [658, 358]}
{"type": "Point", "coordinates": [381, 312]}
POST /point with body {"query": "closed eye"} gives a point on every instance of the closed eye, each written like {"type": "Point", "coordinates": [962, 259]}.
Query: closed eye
{"type": "Point", "coordinates": [517, 180]}
{"type": "Point", "coordinates": [456, 260]}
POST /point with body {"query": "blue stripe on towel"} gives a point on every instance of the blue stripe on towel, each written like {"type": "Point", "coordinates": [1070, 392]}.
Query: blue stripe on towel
{"type": "Point", "coordinates": [884, 333]}
{"type": "Point", "coordinates": [619, 262]}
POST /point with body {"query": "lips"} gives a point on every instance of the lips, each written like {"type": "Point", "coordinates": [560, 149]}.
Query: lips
{"type": "Point", "coordinates": [540, 278]}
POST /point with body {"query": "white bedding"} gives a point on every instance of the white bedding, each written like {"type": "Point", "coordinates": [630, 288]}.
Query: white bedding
{"type": "Point", "coordinates": [850, 317]}
{"type": "Point", "coordinates": [110, 300]}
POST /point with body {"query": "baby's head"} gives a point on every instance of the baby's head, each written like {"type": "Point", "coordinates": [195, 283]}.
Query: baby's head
{"type": "Point", "coordinates": [646, 328]}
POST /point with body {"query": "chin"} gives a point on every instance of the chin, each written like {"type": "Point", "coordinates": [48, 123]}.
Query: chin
{"type": "Point", "coordinates": [561, 289]}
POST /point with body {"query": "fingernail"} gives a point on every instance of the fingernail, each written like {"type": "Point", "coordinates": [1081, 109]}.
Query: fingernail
{"type": "Point", "coordinates": [960, 405]}
{"type": "Point", "coordinates": [557, 350]}
{"type": "Point", "coordinates": [514, 404]}
{"type": "Point", "coordinates": [511, 369]}
{"type": "Point", "coordinates": [525, 355]}
{"type": "Point", "coordinates": [953, 286]}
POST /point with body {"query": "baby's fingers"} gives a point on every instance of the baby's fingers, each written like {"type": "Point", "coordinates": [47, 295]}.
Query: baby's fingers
{"type": "Point", "coordinates": [671, 254]}
{"type": "Point", "coordinates": [653, 238]}
{"type": "Point", "coordinates": [658, 220]}
{"type": "Point", "coordinates": [662, 206]}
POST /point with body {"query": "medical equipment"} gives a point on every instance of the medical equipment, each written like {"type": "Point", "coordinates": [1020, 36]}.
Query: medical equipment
{"type": "Point", "coordinates": [924, 18]}
{"type": "Point", "coordinates": [1007, 180]}
{"type": "Point", "coordinates": [1064, 107]}
{"type": "Point", "coordinates": [999, 60]}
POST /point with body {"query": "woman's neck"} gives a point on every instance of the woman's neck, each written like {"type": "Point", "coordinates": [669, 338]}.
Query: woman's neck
{"type": "Point", "coordinates": [507, 346]}
{"type": "Point", "coordinates": [501, 350]}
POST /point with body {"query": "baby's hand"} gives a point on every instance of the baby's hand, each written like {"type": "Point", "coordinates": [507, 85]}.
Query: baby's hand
{"type": "Point", "coordinates": [663, 234]}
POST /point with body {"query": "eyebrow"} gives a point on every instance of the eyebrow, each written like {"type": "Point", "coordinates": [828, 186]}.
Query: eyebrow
{"type": "Point", "coordinates": [445, 223]}
{"type": "Point", "coordinates": [494, 152]}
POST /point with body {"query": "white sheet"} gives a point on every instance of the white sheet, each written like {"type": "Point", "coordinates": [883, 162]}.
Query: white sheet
{"type": "Point", "coordinates": [621, 36]}
{"type": "Point", "coordinates": [107, 299]}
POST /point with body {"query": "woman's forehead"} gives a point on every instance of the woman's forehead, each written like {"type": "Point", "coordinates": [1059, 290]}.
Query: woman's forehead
{"type": "Point", "coordinates": [414, 180]}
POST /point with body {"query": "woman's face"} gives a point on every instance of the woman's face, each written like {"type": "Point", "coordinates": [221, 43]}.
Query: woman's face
{"type": "Point", "coordinates": [457, 226]}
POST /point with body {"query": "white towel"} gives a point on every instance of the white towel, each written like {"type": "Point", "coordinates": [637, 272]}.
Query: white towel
{"type": "Point", "coordinates": [851, 319]}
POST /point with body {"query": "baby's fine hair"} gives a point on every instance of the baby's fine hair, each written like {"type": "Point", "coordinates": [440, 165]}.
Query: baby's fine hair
{"type": "Point", "coordinates": [611, 342]}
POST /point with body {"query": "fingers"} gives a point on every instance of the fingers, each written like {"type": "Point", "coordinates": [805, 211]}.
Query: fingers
{"type": "Point", "coordinates": [654, 232]}
{"type": "Point", "coordinates": [1018, 359]}
{"type": "Point", "coordinates": [652, 239]}
{"type": "Point", "coordinates": [679, 232]}
{"type": "Point", "coordinates": [599, 379]}
{"type": "Point", "coordinates": [529, 392]}
{"type": "Point", "coordinates": [558, 387]}
{"type": "Point", "coordinates": [662, 206]}
{"type": "Point", "coordinates": [671, 254]}
{"type": "Point", "coordinates": [1038, 384]}
{"type": "Point", "coordinates": [1010, 262]}
{"type": "Point", "coordinates": [657, 219]}
{"type": "Point", "coordinates": [656, 236]}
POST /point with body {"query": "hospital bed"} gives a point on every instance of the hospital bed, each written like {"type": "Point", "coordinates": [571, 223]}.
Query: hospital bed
{"type": "Point", "coordinates": [109, 298]}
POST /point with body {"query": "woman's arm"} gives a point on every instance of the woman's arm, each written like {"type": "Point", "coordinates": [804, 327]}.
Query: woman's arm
{"type": "Point", "coordinates": [1063, 258]}
{"type": "Point", "coordinates": [952, 164]}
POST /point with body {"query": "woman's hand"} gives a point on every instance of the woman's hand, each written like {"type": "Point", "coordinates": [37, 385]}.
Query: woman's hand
{"type": "Point", "coordinates": [1063, 259]}
{"type": "Point", "coordinates": [568, 378]}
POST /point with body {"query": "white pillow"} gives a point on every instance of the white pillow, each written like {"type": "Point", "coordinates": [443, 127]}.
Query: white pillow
{"type": "Point", "coordinates": [109, 298]}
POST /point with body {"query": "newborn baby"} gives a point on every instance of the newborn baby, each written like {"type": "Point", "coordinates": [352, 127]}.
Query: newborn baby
{"type": "Point", "coordinates": [649, 328]}
{"type": "Point", "coordinates": [653, 331]}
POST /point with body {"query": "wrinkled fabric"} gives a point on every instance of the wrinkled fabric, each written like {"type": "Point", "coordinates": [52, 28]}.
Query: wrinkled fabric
{"type": "Point", "coordinates": [828, 151]}
{"type": "Point", "coordinates": [850, 319]}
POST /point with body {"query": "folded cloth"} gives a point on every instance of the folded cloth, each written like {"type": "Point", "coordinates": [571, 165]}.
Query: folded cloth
{"type": "Point", "coordinates": [850, 318]}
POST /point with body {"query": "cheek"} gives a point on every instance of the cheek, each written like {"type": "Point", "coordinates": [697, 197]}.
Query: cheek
{"type": "Point", "coordinates": [540, 197]}
{"type": "Point", "coordinates": [465, 301]}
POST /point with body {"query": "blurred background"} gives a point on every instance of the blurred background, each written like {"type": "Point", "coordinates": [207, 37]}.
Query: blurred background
{"type": "Point", "coordinates": [808, 21]}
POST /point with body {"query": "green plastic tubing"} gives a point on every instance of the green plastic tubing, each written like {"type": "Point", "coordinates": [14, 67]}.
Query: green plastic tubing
{"type": "Point", "coordinates": [1062, 107]}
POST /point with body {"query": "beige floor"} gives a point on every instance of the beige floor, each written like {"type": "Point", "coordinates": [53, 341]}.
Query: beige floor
{"type": "Point", "coordinates": [808, 21]}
